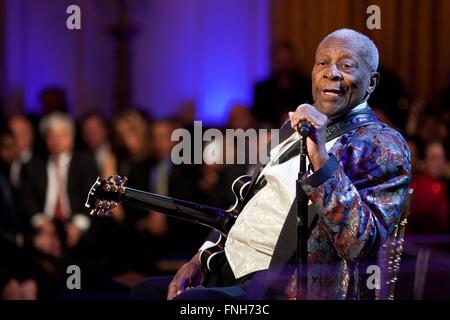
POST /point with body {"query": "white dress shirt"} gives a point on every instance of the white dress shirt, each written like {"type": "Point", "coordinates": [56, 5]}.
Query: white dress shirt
{"type": "Point", "coordinates": [52, 192]}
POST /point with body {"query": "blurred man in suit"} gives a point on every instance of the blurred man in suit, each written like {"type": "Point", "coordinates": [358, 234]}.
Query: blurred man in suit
{"type": "Point", "coordinates": [22, 131]}
{"type": "Point", "coordinates": [56, 187]}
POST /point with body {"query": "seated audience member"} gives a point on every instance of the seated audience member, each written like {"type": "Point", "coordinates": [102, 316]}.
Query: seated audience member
{"type": "Point", "coordinates": [95, 136]}
{"type": "Point", "coordinates": [131, 144]}
{"type": "Point", "coordinates": [56, 221]}
{"type": "Point", "coordinates": [16, 270]}
{"type": "Point", "coordinates": [430, 205]}
{"type": "Point", "coordinates": [284, 88]}
{"type": "Point", "coordinates": [23, 134]}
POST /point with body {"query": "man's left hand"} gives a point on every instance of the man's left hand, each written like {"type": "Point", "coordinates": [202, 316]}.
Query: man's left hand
{"type": "Point", "coordinates": [317, 152]}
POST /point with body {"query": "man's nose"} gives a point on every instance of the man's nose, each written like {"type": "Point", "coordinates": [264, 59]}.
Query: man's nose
{"type": "Point", "coordinates": [332, 73]}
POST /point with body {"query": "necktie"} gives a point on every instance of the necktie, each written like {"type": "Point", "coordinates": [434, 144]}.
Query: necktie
{"type": "Point", "coordinates": [59, 212]}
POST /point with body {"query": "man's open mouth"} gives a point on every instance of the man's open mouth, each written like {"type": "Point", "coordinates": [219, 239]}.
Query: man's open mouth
{"type": "Point", "coordinates": [333, 92]}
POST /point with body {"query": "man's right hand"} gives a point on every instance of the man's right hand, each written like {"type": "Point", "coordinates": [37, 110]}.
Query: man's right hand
{"type": "Point", "coordinates": [189, 275]}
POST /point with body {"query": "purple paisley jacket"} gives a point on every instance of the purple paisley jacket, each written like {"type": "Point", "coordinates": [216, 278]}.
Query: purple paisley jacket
{"type": "Point", "coordinates": [359, 193]}
{"type": "Point", "coordinates": [362, 190]}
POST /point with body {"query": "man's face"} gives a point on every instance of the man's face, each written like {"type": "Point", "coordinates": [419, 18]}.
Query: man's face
{"type": "Point", "coordinates": [94, 132]}
{"type": "Point", "coordinates": [435, 160]}
{"type": "Point", "coordinates": [341, 78]}
{"type": "Point", "coordinates": [59, 139]}
{"type": "Point", "coordinates": [22, 132]}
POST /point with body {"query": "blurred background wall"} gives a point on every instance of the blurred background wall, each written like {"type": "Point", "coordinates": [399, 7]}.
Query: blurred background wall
{"type": "Point", "coordinates": [164, 54]}
{"type": "Point", "coordinates": [174, 51]}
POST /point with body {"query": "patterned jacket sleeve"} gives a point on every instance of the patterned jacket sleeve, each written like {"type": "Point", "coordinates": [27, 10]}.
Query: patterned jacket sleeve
{"type": "Point", "coordinates": [360, 191]}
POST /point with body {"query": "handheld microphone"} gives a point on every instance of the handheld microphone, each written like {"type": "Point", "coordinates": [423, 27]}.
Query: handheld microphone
{"type": "Point", "coordinates": [304, 128]}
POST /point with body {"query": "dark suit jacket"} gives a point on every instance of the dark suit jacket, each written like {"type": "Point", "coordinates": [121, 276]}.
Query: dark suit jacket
{"type": "Point", "coordinates": [82, 174]}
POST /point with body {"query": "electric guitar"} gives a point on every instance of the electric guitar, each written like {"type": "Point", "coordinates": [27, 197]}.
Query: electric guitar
{"type": "Point", "coordinates": [106, 194]}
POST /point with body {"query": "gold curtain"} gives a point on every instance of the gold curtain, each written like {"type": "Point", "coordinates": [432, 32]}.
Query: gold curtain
{"type": "Point", "coordinates": [414, 39]}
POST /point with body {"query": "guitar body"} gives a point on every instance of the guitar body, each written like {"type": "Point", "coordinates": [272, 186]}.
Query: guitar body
{"type": "Point", "coordinates": [105, 195]}
{"type": "Point", "coordinates": [210, 254]}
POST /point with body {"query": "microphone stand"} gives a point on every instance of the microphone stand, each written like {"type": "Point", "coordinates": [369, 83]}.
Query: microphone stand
{"type": "Point", "coordinates": [302, 215]}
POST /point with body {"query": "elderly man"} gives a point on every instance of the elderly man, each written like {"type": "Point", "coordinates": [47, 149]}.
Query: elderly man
{"type": "Point", "coordinates": [358, 181]}
{"type": "Point", "coordinates": [55, 188]}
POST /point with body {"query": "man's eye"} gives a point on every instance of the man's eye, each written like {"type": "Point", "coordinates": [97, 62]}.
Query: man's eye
{"type": "Point", "coordinates": [321, 63]}
{"type": "Point", "coordinates": [347, 65]}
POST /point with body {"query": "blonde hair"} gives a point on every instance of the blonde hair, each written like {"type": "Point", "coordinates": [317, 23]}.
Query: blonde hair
{"type": "Point", "coordinates": [139, 125]}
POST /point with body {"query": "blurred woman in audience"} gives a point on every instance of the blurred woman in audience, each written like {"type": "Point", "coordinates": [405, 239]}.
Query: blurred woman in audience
{"type": "Point", "coordinates": [130, 140]}
{"type": "Point", "coordinates": [430, 205]}
{"type": "Point", "coordinates": [95, 136]}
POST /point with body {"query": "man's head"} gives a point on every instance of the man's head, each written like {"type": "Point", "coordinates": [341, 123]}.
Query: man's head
{"type": "Point", "coordinates": [282, 56]}
{"type": "Point", "coordinates": [435, 160]}
{"type": "Point", "coordinates": [7, 150]}
{"type": "Point", "coordinates": [240, 117]}
{"type": "Point", "coordinates": [58, 131]}
{"type": "Point", "coordinates": [22, 130]}
{"type": "Point", "coordinates": [94, 130]}
{"type": "Point", "coordinates": [53, 99]}
{"type": "Point", "coordinates": [345, 72]}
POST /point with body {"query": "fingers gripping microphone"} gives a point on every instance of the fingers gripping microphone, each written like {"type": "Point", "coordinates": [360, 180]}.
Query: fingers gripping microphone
{"type": "Point", "coordinates": [304, 128]}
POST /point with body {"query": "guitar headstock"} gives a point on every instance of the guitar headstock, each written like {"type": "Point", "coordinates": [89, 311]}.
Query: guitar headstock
{"type": "Point", "coordinates": [105, 195]}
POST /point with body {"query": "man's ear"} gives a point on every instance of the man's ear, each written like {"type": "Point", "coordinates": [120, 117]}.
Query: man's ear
{"type": "Point", "coordinates": [374, 80]}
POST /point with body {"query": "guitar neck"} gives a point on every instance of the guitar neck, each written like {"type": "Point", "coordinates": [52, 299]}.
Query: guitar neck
{"type": "Point", "coordinates": [215, 218]}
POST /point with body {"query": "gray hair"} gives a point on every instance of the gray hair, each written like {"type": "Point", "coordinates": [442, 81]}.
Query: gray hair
{"type": "Point", "coordinates": [54, 120]}
{"type": "Point", "coordinates": [363, 45]}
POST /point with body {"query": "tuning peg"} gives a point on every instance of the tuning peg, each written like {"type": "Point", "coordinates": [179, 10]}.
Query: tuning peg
{"type": "Point", "coordinates": [107, 187]}
{"type": "Point", "coordinates": [115, 184]}
{"type": "Point", "coordinates": [110, 181]}
{"type": "Point", "coordinates": [114, 188]}
{"type": "Point", "coordinates": [98, 203]}
{"type": "Point", "coordinates": [119, 184]}
{"type": "Point", "coordinates": [101, 212]}
{"type": "Point", "coordinates": [117, 179]}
